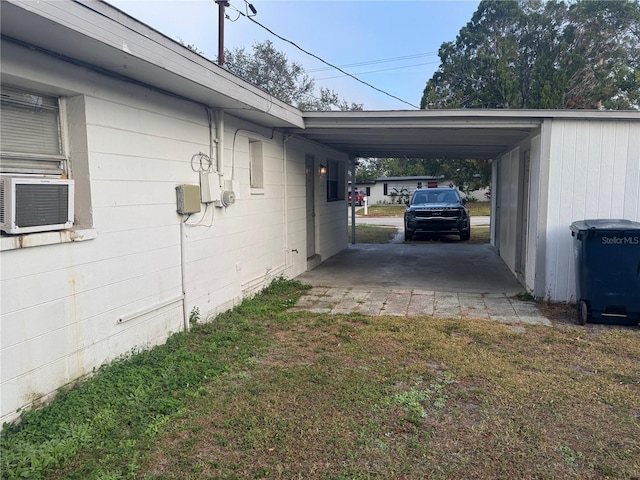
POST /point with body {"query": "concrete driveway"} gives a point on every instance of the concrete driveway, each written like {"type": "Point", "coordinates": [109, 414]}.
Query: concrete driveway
{"type": "Point", "coordinates": [442, 279]}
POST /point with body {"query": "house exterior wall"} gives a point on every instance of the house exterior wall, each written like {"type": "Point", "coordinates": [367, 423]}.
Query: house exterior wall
{"type": "Point", "coordinates": [594, 172]}
{"type": "Point", "coordinates": [70, 306]}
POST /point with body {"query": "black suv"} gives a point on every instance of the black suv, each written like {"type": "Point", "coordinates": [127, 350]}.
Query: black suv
{"type": "Point", "coordinates": [437, 210]}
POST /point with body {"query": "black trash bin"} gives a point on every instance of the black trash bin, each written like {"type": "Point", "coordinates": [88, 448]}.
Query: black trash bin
{"type": "Point", "coordinates": [607, 254]}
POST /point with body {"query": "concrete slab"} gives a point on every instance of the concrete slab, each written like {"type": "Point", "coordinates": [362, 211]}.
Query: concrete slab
{"type": "Point", "coordinates": [411, 303]}
{"type": "Point", "coordinates": [442, 280]}
{"type": "Point", "coordinates": [441, 267]}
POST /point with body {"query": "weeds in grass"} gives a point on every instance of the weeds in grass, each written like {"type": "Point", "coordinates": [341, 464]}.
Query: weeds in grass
{"type": "Point", "coordinates": [569, 455]}
{"type": "Point", "coordinates": [264, 392]}
{"type": "Point", "coordinates": [99, 426]}
{"type": "Point", "coordinates": [194, 316]}
{"type": "Point", "coordinates": [419, 399]}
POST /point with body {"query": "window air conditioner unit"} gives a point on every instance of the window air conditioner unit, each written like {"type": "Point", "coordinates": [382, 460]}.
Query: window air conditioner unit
{"type": "Point", "coordinates": [35, 204]}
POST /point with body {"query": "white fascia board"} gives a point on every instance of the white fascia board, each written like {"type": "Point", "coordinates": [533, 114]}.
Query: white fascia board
{"type": "Point", "coordinates": [450, 118]}
{"type": "Point", "coordinates": [113, 35]}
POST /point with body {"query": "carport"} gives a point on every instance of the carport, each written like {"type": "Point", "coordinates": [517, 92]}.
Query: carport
{"type": "Point", "coordinates": [550, 167]}
{"type": "Point", "coordinates": [420, 134]}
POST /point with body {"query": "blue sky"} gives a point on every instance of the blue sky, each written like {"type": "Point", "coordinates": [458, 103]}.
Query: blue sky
{"type": "Point", "coordinates": [340, 32]}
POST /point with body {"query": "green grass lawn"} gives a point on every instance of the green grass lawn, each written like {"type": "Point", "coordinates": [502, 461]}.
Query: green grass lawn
{"type": "Point", "coordinates": [264, 391]}
{"type": "Point", "coordinates": [383, 234]}
{"type": "Point", "coordinates": [475, 209]}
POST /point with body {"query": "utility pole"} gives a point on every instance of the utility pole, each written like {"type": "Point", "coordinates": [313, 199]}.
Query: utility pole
{"type": "Point", "coordinates": [221, 6]}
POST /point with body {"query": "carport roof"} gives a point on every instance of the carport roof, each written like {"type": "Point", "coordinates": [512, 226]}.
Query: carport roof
{"type": "Point", "coordinates": [481, 134]}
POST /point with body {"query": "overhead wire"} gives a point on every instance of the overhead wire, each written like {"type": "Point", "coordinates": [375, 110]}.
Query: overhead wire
{"type": "Point", "coordinates": [325, 62]}
{"type": "Point", "coordinates": [382, 70]}
{"type": "Point", "coordinates": [373, 62]}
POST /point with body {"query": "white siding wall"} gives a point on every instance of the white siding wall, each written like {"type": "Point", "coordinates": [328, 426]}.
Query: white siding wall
{"type": "Point", "coordinates": [594, 172]}
{"type": "Point", "coordinates": [507, 206]}
{"type": "Point", "coordinates": [61, 303]}
{"type": "Point", "coordinates": [533, 238]}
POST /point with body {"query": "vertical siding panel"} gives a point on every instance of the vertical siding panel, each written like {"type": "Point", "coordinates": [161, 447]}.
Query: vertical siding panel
{"type": "Point", "coordinates": [569, 166]}
{"type": "Point", "coordinates": [580, 175]}
{"type": "Point", "coordinates": [631, 208]}
{"type": "Point", "coordinates": [620, 154]}
{"type": "Point", "coordinates": [607, 168]}
{"type": "Point", "coordinates": [592, 166]}
{"type": "Point", "coordinates": [553, 215]}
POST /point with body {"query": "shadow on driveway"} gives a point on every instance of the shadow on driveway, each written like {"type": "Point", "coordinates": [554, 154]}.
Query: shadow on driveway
{"type": "Point", "coordinates": [440, 267]}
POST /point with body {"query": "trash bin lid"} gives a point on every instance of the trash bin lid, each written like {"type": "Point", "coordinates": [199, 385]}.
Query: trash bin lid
{"type": "Point", "coordinates": [604, 224]}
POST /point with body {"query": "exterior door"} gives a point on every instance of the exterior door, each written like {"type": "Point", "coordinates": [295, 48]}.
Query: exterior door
{"type": "Point", "coordinates": [521, 251]}
{"type": "Point", "coordinates": [311, 206]}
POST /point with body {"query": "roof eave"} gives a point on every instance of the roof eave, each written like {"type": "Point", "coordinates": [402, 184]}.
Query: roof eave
{"type": "Point", "coordinates": [100, 36]}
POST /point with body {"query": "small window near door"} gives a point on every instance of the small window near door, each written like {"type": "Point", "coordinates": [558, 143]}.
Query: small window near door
{"type": "Point", "coordinates": [256, 165]}
{"type": "Point", "coordinates": [335, 180]}
{"type": "Point", "coordinates": [419, 184]}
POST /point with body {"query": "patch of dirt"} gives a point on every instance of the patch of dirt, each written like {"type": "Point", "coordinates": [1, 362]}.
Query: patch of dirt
{"type": "Point", "coordinates": [558, 312]}
{"type": "Point", "coordinates": [565, 315]}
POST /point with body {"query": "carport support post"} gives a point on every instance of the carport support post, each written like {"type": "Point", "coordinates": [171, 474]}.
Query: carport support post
{"type": "Point", "coordinates": [353, 200]}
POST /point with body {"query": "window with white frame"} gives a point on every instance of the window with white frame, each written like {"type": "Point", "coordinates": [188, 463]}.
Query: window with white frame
{"type": "Point", "coordinates": [256, 164]}
{"type": "Point", "coordinates": [30, 133]}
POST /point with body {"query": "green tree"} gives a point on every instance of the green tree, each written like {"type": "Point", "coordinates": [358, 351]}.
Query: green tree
{"type": "Point", "coordinates": [369, 169]}
{"type": "Point", "coordinates": [466, 174]}
{"type": "Point", "coordinates": [270, 70]}
{"type": "Point", "coordinates": [542, 54]}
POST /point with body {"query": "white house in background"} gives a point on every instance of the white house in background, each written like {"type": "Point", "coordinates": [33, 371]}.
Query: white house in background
{"type": "Point", "coordinates": [142, 182]}
{"type": "Point", "coordinates": [390, 190]}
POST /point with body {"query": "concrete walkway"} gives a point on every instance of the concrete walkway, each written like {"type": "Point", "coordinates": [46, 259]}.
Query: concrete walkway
{"type": "Point", "coordinates": [409, 302]}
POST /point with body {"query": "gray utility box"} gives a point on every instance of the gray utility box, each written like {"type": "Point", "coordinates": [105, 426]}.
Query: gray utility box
{"type": "Point", "coordinates": [607, 255]}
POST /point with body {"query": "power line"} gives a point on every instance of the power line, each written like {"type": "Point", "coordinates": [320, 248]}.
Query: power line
{"type": "Point", "coordinates": [382, 70]}
{"type": "Point", "coordinates": [327, 63]}
{"type": "Point", "coordinates": [373, 62]}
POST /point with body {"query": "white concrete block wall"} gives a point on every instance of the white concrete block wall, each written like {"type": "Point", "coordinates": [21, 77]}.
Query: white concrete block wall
{"type": "Point", "coordinates": [61, 303]}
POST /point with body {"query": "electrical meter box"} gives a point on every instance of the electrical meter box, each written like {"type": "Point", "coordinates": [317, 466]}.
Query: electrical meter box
{"type": "Point", "coordinates": [188, 198]}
